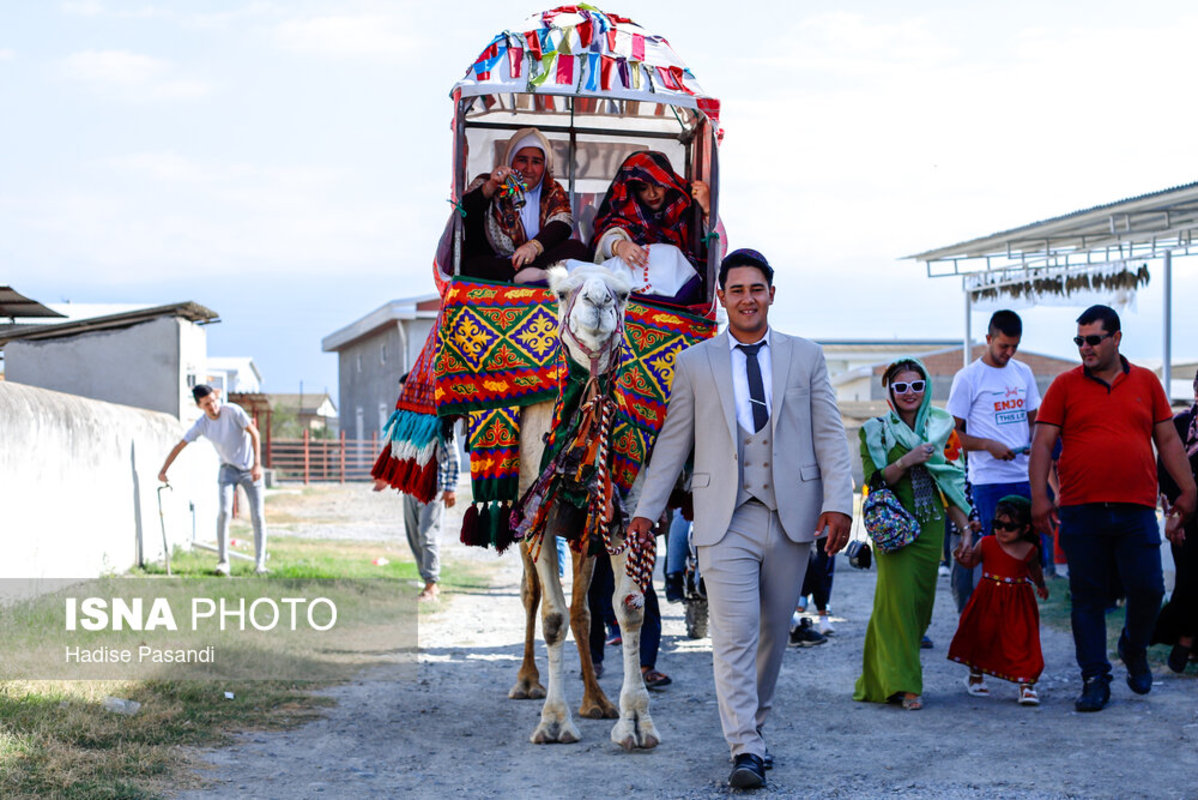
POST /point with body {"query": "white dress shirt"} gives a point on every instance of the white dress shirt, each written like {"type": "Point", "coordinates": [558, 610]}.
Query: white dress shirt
{"type": "Point", "coordinates": [740, 380]}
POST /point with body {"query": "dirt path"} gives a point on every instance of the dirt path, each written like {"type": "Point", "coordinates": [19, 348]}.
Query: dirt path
{"type": "Point", "coordinates": [452, 732]}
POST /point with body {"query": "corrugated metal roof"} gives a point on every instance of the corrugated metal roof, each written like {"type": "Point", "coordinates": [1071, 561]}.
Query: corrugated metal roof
{"type": "Point", "coordinates": [13, 304]}
{"type": "Point", "coordinates": [187, 310]}
{"type": "Point", "coordinates": [1143, 226]}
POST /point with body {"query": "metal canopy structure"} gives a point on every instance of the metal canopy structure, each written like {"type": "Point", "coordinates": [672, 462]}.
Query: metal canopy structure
{"type": "Point", "coordinates": [1103, 238]}
{"type": "Point", "coordinates": [1143, 227]}
{"type": "Point", "coordinates": [13, 304]}
{"type": "Point", "coordinates": [193, 312]}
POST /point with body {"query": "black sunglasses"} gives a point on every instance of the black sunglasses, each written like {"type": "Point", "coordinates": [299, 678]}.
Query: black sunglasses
{"type": "Point", "coordinates": [901, 388]}
{"type": "Point", "coordinates": [1005, 526]}
{"type": "Point", "coordinates": [1093, 339]}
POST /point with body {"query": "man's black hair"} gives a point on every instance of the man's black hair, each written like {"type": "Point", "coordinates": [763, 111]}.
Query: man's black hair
{"type": "Point", "coordinates": [1100, 313]}
{"type": "Point", "coordinates": [200, 391]}
{"type": "Point", "coordinates": [1007, 323]}
{"type": "Point", "coordinates": [746, 258]}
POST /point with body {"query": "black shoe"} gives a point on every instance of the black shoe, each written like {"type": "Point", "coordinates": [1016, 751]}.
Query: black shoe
{"type": "Point", "coordinates": [1096, 693]}
{"type": "Point", "coordinates": [925, 643]}
{"type": "Point", "coordinates": [767, 760]}
{"type": "Point", "coordinates": [805, 634]}
{"type": "Point", "coordinates": [674, 587]}
{"type": "Point", "coordinates": [1179, 656]}
{"type": "Point", "coordinates": [748, 772]}
{"type": "Point", "coordinates": [598, 670]}
{"type": "Point", "coordinates": [1139, 675]}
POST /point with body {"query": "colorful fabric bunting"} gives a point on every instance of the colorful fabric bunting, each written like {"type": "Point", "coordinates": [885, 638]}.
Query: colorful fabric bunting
{"type": "Point", "coordinates": [592, 62]}
{"type": "Point", "coordinates": [638, 47]}
{"type": "Point", "coordinates": [606, 65]}
{"type": "Point", "coordinates": [565, 70]}
{"type": "Point", "coordinates": [534, 44]}
{"type": "Point", "coordinates": [515, 60]}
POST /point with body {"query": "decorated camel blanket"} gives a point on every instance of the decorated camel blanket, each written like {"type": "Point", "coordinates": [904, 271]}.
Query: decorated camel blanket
{"type": "Point", "coordinates": [498, 351]}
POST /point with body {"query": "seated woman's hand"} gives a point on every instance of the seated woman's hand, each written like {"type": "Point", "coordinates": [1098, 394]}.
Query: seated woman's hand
{"type": "Point", "coordinates": [530, 275]}
{"type": "Point", "coordinates": [633, 254]}
{"type": "Point", "coordinates": [701, 193]}
{"type": "Point", "coordinates": [526, 253]}
{"type": "Point", "coordinates": [496, 179]}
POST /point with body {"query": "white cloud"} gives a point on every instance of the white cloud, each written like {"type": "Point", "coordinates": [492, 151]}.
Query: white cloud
{"type": "Point", "coordinates": [83, 8]}
{"type": "Point", "coordinates": [155, 211]}
{"type": "Point", "coordinates": [131, 76]}
{"type": "Point", "coordinates": [94, 8]}
{"type": "Point", "coordinates": [7, 54]}
{"type": "Point", "coordinates": [361, 36]}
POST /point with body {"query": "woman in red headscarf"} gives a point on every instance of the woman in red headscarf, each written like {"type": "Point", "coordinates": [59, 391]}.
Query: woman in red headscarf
{"type": "Point", "coordinates": [649, 204]}
{"type": "Point", "coordinates": [514, 236]}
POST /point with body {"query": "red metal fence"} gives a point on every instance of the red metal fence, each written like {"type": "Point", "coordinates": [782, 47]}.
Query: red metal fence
{"type": "Point", "coordinates": [309, 459]}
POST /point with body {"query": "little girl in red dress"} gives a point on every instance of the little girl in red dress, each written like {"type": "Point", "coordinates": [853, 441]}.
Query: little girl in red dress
{"type": "Point", "coordinates": [999, 630]}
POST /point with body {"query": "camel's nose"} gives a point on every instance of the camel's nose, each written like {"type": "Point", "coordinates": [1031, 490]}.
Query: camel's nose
{"type": "Point", "coordinates": [599, 296]}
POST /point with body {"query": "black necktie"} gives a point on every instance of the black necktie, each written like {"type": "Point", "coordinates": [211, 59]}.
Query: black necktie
{"type": "Point", "coordinates": [761, 414]}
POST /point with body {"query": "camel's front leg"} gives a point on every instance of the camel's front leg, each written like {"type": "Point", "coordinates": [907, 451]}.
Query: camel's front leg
{"type": "Point", "coordinates": [528, 679]}
{"type": "Point", "coordinates": [556, 724]}
{"type": "Point", "coordinates": [595, 704]}
{"type": "Point", "coordinates": [635, 727]}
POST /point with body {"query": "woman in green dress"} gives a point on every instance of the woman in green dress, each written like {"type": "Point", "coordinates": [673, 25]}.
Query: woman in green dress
{"type": "Point", "coordinates": [916, 450]}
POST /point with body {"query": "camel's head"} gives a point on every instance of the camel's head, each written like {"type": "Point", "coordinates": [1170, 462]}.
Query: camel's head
{"type": "Point", "coordinates": [594, 298]}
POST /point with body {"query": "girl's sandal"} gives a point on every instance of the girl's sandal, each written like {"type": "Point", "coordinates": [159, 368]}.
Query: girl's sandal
{"type": "Point", "coordinates": [912, 702]}
{"type": "Point", "coordinates": [1027, 695]}
{"type": "Point", "coordinates": [977, 688]}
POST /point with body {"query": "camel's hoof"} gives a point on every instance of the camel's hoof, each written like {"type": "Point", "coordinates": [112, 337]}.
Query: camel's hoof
{"type": "Point", "coordinates": [599, 710]}
{"type": "Point", "coordinates": [555, 732]}
{"type": "Point", "coordinates": [524, 690]}
{"type": "Point", "coordinates": [635, 734]}
{"type": "Point", "coordinates": [630, 743]}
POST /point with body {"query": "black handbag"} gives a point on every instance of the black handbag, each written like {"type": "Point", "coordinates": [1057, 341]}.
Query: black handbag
{"type": "Point", "coordinates": [860, 556]}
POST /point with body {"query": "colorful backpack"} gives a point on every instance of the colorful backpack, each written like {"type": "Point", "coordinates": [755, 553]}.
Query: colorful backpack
{"type": "Point", "coordinates": [891, 526]}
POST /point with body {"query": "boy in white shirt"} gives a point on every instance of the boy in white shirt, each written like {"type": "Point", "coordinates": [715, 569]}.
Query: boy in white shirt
{"type": "Point", "coordinates": [235, 437]}
{"type": "Point", "coordinates": [994, 401]}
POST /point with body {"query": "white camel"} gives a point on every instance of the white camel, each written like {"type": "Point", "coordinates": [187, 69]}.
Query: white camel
{"type": "Point", "coordinates": [591, 304]}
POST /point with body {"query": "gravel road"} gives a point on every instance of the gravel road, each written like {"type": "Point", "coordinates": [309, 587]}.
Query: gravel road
{"type": "Point", "coordinates": [452, 732]}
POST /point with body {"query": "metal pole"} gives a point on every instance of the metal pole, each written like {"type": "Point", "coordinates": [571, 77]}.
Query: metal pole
{"type": "Point", "coordinates": [1166, 368]}
{"type": "Point", "coordinates": [968, 350]}
{"type": "Point", "coordinates": [307, 460]}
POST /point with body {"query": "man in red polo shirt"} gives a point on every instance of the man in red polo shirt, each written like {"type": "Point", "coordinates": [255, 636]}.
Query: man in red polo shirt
{"type": "Point", "coordinates": [1108, 414]}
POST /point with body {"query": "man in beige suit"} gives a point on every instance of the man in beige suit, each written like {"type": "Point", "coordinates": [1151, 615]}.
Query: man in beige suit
{"type": "Point", "coordinates": [771, 470]}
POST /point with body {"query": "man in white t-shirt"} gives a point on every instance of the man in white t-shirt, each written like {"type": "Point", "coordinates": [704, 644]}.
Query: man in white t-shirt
{"type": "Point", "coordinates": [994, 402]}
{"type": "Point", "coordinates": [235, 437]}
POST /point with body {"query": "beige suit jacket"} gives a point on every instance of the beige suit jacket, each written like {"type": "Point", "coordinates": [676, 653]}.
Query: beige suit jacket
{"type": "Point", "coordinates": [811, 466]}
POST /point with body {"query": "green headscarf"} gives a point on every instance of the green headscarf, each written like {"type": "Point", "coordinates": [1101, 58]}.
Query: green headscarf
{"type": "Point", "coordinates": [932, 426]}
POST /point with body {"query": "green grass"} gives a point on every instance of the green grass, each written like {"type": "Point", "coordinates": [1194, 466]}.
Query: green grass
{"type": "Point", "coordinates": [57, 742]}
{"type": "Point", "coordinates": [295, 557]}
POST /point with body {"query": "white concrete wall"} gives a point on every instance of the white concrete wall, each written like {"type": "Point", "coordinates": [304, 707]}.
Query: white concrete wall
{"type": "Point", "coordinates": [78, 481]}
{"type": "Point", "coordinates": [146, 365]}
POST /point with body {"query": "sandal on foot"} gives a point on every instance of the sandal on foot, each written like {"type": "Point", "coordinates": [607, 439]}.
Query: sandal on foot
{"type": "Point", "coordinates": [654, 679]}
{"type": "Point", "coordinates": [977, 688]}
{"type": "Point", "coordinates": [1028, 696]}
{"type": "Point", "coordinates": [912, 702]}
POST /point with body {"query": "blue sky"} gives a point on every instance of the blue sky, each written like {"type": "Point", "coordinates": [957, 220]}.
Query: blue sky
{"type": "Point", "coordinates": [287, 164]}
